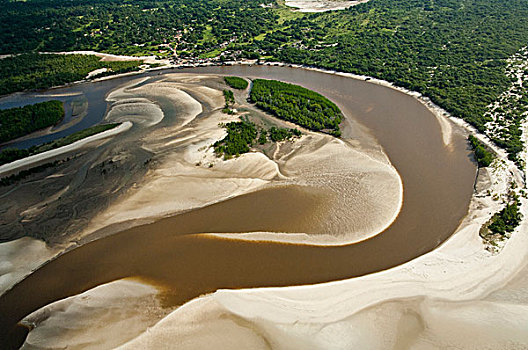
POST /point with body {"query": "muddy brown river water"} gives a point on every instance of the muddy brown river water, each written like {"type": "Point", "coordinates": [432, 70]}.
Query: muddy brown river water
{"type": "Point", "coordinates": [438, 184]}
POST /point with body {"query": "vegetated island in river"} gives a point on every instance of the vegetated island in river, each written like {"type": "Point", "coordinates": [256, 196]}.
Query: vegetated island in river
{"type": "Point", "coordinates": [243, 135]}
{"type": "Point", "coordinates": [236, 83]}
{"type": "Point", "coordinates": [296, 104]}
{"type": "Point", "coordinates": [20, 121]}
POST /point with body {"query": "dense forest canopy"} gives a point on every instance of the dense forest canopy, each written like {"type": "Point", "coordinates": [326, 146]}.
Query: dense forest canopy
{"type": "Point", "coordinates": [239, 139]}
{"type": "Point", "coordinates": [483, 156]}
{"type": "Point", "coordinates": [297, 105]}
{"type": "Point", "coordinates": [453, 51]}
{"type": "Point", "coordinates": [236, 82]}
{"type": "Point", "coordinates": [34, 71]}
{"type": "Point", "coordinates": [242, 135]}
{"type": "Point", "coordinates": [125, 26]}
{"type": "Point", "coordinates": [20, 121]}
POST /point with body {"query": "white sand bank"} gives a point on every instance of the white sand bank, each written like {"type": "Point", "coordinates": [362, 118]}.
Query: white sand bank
{"type": "Point", "coordinates": [101, 318]}
{"type": "Point", "coordinates": [20, 257]}
{"type": "Point", "coordinates": [65, 149]}
{"type": "Point", "coordinates": [366, 189]}
{"type": "Point", "coordinates": [367, 192]}
{"type": "Point", "coordinates": [431, 302]}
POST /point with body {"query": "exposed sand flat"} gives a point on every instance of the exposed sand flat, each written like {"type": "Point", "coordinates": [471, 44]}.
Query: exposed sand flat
{"type": "Point", "coordinates": [20, 257]}
{"type": "Point", "coordinates": [366, 189]}
{"type": "Point", "coordinates": [366, 192]}
{"type": "Point", "coordinates": [201, 324]}
{"type": "Point", "coordinates": [321, 5]}
{"type": "Point", "coordinates": [435, 301]}
{"type": "Point", "coordinates": [101, 318]}
{"type": "Point", "coordinates": [65, 149]}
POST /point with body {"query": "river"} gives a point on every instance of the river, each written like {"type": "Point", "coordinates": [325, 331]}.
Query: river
{"type": "Point", "coordinates": [438, 184]}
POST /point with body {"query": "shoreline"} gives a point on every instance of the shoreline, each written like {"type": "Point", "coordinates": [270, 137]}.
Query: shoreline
{"type": "Point", "coordinates": [441, 114]}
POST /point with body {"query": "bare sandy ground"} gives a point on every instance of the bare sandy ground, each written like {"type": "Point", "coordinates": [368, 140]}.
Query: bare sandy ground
{"type": "Point", "coordinates": [20, 257]}
{"type": "Point", "coordinates": [107, 316]}
{"type": "Point", "coordinates": [457, 297]}
{"type": "Point", "coordinates": [321, 5]}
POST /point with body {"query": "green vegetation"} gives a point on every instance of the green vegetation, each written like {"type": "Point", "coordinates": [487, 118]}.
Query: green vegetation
{"type": "Point", "coordinates": [34, 71]}
{"type": "Point", "coordinates": [442, 49]}
{"type": "Point", "coordinates": [236, 82]}
{"type": "Point", "coordinates": [131, 27]}
{"type": "Point", "coordinates": [280, 134]}
{"type": "Point", "coordinates": [263, 137]}
{"type": "Point", "coordinates": [17, 122]}
{"type": "Point", "coordinates": [507, 219]}
{"type": "Point", "coordinates": [296, 104]}
{"type": "Point", "coordinates": [11, 154]}
{"type": "Point", "coordinates": [11, 179]}
{"type": "Point", "coordinates": [239, 139]}
{"type": "Point", "coordinates": [229, 97]}
{"type": "Point", "coordinates": [482, 155]}
{"type": "Point", "coordinates": [229, 101]}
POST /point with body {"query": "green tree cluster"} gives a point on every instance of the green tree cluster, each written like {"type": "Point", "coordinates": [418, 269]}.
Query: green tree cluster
{"type": "Point", "coordinates": [482, 155]}
{"type": "Point", "coordinates": [229, 98]}
{"type": "Point", "coordinates": [20, 121]}
{"type": "Point", "coordinates": [281, 134]}
{"type": "Point", "coordinates": [506, 220]}
{"type": "Point", "coordinates": [239, 139]}
{"type": "Point", "coordinates": [296, 104]}
{"type": "Point", "coordinates": [236, 82]}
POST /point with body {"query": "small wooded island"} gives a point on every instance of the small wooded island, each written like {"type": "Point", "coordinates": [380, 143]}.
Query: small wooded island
{"type": "Point", "coordinates": [17, 122]}
{"type": "Point", "coordinates": [285, 101]}
{"type": "Point", "coordinates": [296, 104]}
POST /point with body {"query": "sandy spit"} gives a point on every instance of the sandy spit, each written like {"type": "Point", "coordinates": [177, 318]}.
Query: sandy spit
{"type": "Point", "coordinates": [20, 257]}
{"type": "Point", "coordinates": [431, 302]}
{"type": "Point", "coordinates": [64, 149]}
{"type": "Point", "coordinates": [101, 318]}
